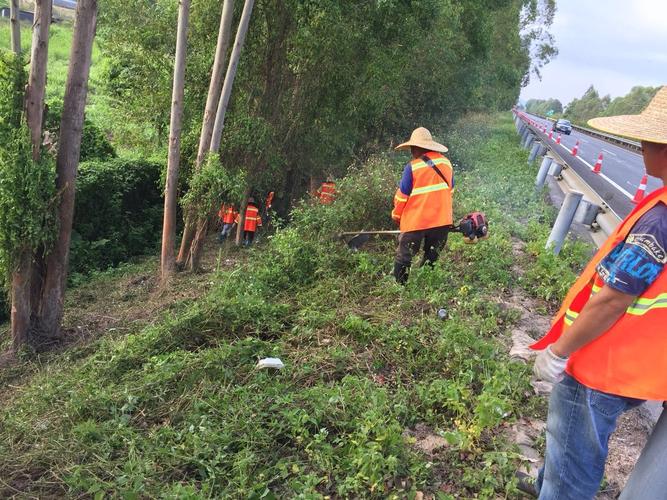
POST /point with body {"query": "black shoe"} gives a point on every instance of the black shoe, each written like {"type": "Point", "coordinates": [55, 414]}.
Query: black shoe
{"type": "Point", "coordinates": [526, 484]}
{"type": "Point", "coordinates": [401, 273]}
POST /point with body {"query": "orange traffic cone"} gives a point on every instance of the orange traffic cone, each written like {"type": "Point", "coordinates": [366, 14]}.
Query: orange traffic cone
{"type": "Point", "coordinates": [575, 149]}
{"type": "Point", "coordinates": [551, 135]}
{"type": "Point", "coordinates": [558, 139]}
{"type": "Point", "coordinates": [641, 190]}
{"type": "Point", "coordinates": [598, 165]}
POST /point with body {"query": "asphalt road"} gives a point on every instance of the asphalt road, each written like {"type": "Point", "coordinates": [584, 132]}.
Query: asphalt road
{"type": "Point", "coordinates": [622, 169]}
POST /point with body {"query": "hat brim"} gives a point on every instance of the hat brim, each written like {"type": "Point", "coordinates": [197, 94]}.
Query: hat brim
{"type": "Point", "coordinates": [638, 127]}
{"type": "Point", "coordinates": [428, 145]}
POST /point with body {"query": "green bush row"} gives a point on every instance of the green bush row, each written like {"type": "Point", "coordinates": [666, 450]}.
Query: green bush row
{"type": "Point", "coordinates": [118, 215]}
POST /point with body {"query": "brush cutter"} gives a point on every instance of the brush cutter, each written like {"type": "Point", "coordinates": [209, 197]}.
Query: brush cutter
{"type": "Point", "coordinates": [473, 227]}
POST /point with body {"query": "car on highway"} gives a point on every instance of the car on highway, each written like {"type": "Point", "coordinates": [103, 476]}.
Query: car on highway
{"type": "Point", "coordinates": [562, 126]}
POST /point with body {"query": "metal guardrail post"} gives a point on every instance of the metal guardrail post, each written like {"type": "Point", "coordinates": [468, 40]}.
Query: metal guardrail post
{"type": "Point", "coordinates": [587, 213]}
{"type": "Point", "coordinates": [524, 133]}
{"type": "Point", "coordinates": [537, 147]}
{"type": "Point", "coordinates": [529, 141]}
{"type": "Point", "coordinates": [564, 221]}
{"type": "Point", "coordinates": [555, 169]}
{"type": "Point", "coordinates": [542, 173]}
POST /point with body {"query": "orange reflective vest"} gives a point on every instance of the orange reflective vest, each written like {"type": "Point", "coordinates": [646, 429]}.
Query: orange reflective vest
{"type": "Point", "coordinates": [252, 218]}
{"type": "Point", "coordinates": [430, 202]}
{"type": "Point", "coordinates": [327, 192]}
{"type": "Point", "coordinates": [629, 359]}
{"type": "Point", "coordinates": [227, 214]}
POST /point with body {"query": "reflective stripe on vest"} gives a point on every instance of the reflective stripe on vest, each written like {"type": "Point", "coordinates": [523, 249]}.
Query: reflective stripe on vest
{"type": "Point", "coordinates": [327, 192]}
{"type": "Point", "coordinates": [252, 219]}
{"type": "Point", "coordinates": [429, 204]}
{"type": "Point", "coordinates": [630, 358]}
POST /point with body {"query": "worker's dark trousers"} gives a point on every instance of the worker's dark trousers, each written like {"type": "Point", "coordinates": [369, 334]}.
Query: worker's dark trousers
{"type": "Point", "coordinates": [248, 237]}
{"type": "Point", "coordinates": [409, 244]}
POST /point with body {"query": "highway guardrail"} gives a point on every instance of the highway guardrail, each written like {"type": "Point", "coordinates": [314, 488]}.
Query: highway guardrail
{"type": "Point", "coordinates": [595, 213]}
{"type": "Point", "coordinates": [614, 139]}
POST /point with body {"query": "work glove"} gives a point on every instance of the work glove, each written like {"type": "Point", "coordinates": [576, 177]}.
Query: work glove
{"type": "Point", "coordinates": [548, 366]}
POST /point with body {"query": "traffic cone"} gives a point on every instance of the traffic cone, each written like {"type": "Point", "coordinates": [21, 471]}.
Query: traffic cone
{"type": "Point", "coordinates": [641, 190]}
{"type": "Point", "coordinates": [551, 135]}
{"type": "Point", "coordinates": [575, 149]}
{"type": "Point", "coordinates": [558, 139]}
{"type": "Point", "coordinates": [598, 165]}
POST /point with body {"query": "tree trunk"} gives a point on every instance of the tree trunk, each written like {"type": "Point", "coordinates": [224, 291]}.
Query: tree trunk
{"type": "Point", "coordinates": [37, 80]}
{"type": "Point", "coordinates": [26, 278]}
{"type": "Point", "coordinates": [15, 26]}
{"type": "Point", "coordinates": [194, 259]}
{"type": "Point", "coordinates": [244, 205]}
{"type": "Point", "coordinates": [197, 243]}
{"type": "Point", "coordinates": [214, 89]}
{"type": "Point", "coordinates": [170, 195]}
{"type": "Point", "coordinates": [20, 297]}
{"type": "Point", "coordinates": [231, 74]}
{"type": "Point", "coordinates": [67, 162]}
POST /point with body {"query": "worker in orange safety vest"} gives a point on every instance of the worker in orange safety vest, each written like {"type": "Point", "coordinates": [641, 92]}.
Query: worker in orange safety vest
{"type": "Point", "coordinates": [606, 351]}
{"type": "Point", "coordinates": [253, 220]}
{"type": "Point", "coordinates": [228, 215]}
{"type": "Point", "coordinates": [423, 202]}
{"type": "Point", "coordinates": [266, 216]}
{"type": "Point", "coordinates": [327, 192]}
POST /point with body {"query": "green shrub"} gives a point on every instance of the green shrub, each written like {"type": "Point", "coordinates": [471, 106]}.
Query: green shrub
{"type": "Point", "coordinates": [118, 212]}
{"type": "Point", "coordinates": [94, 143]}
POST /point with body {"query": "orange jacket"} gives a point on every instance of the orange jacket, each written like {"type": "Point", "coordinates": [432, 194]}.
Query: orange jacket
{"type": "Point", "coordinates": [629, 359]}
{"type": "Point", "coordinates": [252, 218]}
{"type": "Point", "coordinates": [269, 201]}
{"type": "Point", "coordinates": [430, 202]}
{"type": "Point", "coordinates": [327, 192]}
{"type": "Point", "coordinates": [227, 214]}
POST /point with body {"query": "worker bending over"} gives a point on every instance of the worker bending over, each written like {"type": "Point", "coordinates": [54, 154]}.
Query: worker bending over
{"type": "Point", "coordinates": [228, 215]}
{"type": "Point", "coordinates": [253, 220]}
{"type": "Point", "coordinates": [606, 351]}
{"type": "Point", "coordinates": [423, 202]}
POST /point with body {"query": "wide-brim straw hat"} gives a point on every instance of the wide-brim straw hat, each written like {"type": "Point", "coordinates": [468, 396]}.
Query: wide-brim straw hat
{"type": "Point", "coordinates": [422, 138]}
{"type": "Point", "coordinates": [650, 125]}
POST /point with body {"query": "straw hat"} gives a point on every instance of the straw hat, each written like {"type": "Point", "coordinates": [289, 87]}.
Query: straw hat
{"type": "Point", "coordinates": [650, 125]}
{"type": "Point", "coordinates": [422, 138]}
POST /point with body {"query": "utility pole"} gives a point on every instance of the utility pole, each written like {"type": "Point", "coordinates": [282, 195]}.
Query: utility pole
{"type": "Point", "coordinates": [15, 26]}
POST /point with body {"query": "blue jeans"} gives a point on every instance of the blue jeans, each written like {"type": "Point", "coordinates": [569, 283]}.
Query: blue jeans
{"type": "Point", "coordinates": [226, 230]}
{"type": "Point", "coordinates": [579, 425]}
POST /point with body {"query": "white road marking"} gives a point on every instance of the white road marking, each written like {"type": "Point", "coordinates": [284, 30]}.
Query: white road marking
{"type": "Point", "coordinates": [602, 175]}
{"type": "Point", "coordinates": [609, 152]}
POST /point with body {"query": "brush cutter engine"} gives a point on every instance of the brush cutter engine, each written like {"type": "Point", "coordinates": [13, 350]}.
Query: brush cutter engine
{"type": "Point", "coordinates": [474, 227]}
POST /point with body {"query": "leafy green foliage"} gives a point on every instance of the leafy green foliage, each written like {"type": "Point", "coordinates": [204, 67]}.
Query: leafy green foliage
{"type": "Point", "coordinates": [118, 212]}
{"type": "Point", "coordinates": [544, 106]}
{"type": "Point", "coordinates": [211, 184]}
{"type": "Point", "coordinates": [591, 105]}
{"type": "Point", "coordinates": [27, 188]}
{"type": "Point", "coordinates": [318, 80]}
{"type": "Point", "coordinates": [94, 144]}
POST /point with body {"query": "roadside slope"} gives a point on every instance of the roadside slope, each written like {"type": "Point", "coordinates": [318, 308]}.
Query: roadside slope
{"type": "Point", "coordinates": [379, 398]}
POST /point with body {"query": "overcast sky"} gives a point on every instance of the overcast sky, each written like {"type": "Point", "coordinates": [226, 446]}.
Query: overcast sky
{"type": "Point", "coordinates": [612, 44]}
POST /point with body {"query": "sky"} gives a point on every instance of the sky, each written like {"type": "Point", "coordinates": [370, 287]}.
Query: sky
{"type": "Point", "coordinates": [612, 44]}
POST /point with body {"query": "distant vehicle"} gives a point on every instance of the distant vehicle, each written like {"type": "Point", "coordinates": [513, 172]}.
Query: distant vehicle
{"type": "Point", "coordinates": [563, 126]}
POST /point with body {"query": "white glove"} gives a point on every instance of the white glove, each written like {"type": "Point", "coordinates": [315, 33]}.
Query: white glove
{"type": "Point", "coordinates": [548, 366]}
